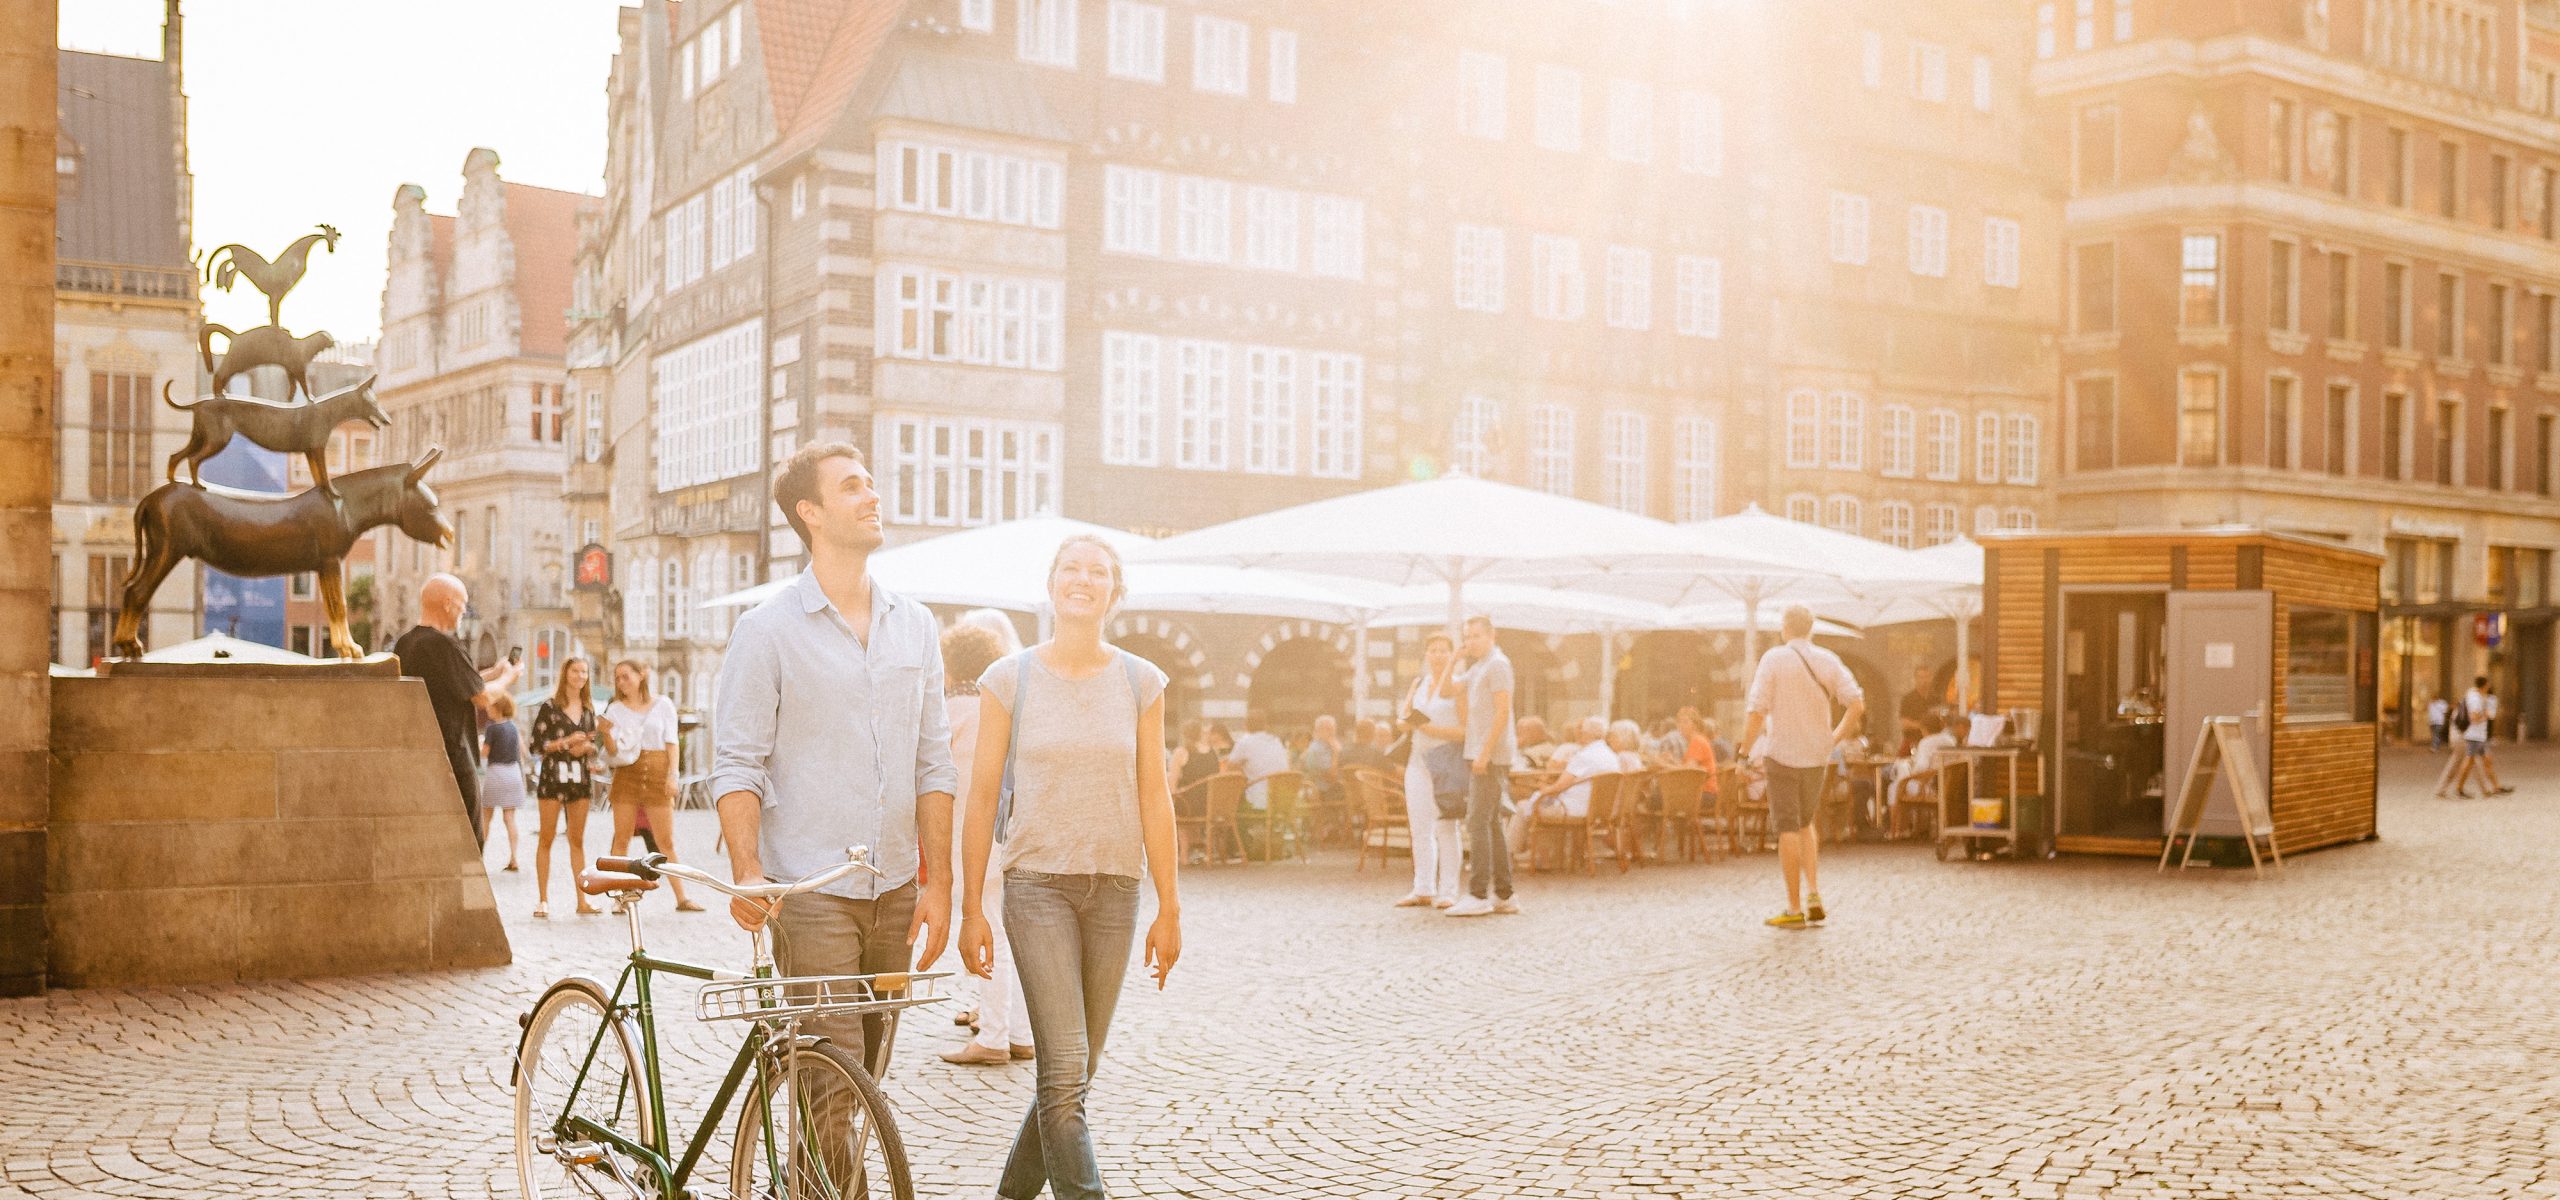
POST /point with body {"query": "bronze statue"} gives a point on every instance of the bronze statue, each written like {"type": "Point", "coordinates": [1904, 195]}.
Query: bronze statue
{"type": "Point", "coordinates": [252, 534]}
{"type": "Point", "coordinates": [272, 278]}
{"type": "Point", "coordinates": [265, 346]}
{"type": "Point", "coordinates": [302, 429]}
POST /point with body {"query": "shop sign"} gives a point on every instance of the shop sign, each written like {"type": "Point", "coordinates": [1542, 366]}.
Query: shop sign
{"type": "Point", "coordinates": [595, 567]}
{"type": "Point", "coordinates": [2489, 629]}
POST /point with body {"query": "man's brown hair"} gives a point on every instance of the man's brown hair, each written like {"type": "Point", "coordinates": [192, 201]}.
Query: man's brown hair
{"type": "Point", "coordinates": [798, 479]}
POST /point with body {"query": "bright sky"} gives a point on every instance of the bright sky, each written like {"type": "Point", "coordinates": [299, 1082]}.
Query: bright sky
{"type": "Point", "coordinates": [309, 111]}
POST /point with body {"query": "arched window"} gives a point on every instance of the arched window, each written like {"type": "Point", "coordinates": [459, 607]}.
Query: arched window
{"type": "Point", "coordinates": [679, 600]}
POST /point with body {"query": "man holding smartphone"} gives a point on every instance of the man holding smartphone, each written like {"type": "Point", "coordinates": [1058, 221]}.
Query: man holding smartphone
{"type": "Point", "coordinates": [1792, 695]}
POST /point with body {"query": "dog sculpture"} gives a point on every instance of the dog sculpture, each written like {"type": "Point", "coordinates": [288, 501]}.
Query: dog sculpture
{"type": "Point", "coordinates": [265, 346]}
{"type": "Point", "coordinates": [302, 429]}
{"type": "Point", "coordinates": [273, 279]}
{"type": "Point", "coordinates": [251, 534]}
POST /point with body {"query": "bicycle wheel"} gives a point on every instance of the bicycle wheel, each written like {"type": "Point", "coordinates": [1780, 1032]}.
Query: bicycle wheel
{"type": "Point", "coordinates": [572, 1019]}
{"type": "Point", "coordinates": [814, 1126]}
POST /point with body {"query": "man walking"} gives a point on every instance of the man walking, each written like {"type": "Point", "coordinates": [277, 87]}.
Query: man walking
{"type": "Point", "coordinates": [1485, 707]}
{"type": "Point", "coordinates": [831, 732]}
{"type": "Point", "coordinates": [1792, 695]}
{"type": "Point", "coordinates": [455, 690]}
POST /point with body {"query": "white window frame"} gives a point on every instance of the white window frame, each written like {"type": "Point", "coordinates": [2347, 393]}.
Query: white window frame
{"type": "Point", "coordinates": [953, 471]}
{"type": "Point", "coordinates": [1271, 219]}
{"type": "Point", "coordinates": [1136, 41]}
{"type": "Point", "coordinates": [1986, 447]}
{"type": "Point", "coordinates": [1844, 431]}
{"type": "Point", "coordinates": [1336, 390]}
{"type": "Point", "coordinates": [978, 16]}
{"type": "Point", "coordinates": [1221, 55]}
{"type": "Point", "coordinates": [1701, 133]}
{"type": "Point", "coordinates": [1849, 229]}
{"type": "Point", "coordinates": [1624, 454]}
{"type": "Point", "coordinates": [2000, 242]}
{"type": "Point", "coordinates": [1132, 398]}
{"type": "Point", "coordinates": [1693, 468]}
{"type": "Point", "coordinates": [1270, 410]}
{"type": "Point", "coordinates": [1476, 253]}
{"type": "Point", "coordinates": [1483, 95]}
{"type": "Point", "coordinates": [1893, 523]}
{"type": "Point", "coordinates": [1871, 59]}
{"type": "Point", "coordinates": [1804, 429]}
{"type": "Point", "coordinates": [1045, 32]}
{"type": "Point", "coordinates": [1629, 288]}
{"type": "Point", "coordinates": [1630, 121]}
{"type": "Point", "coordinates": [1842, 513]}
{"type": "Point", "coordinates": [1982, 89]}
{"type": "Point", "coordinates": [1132, 210]}
{"type": "Point", "coordinates": [1204, 214]}
{"type": "Point", "coordinates": [1929, 72]}
{"type": "Point", "coordinates": [1943, 458]}
{"type": "Point", "coordinates": [1202, 385]}
{"type": "Point", "coordinates": [1804, 508]}
{"type": "Point", "coordinates": [1551, 449]}
{"type": "Point", "coordinates": [1477, 422]}
{"type": "Point", "coordinates": [2045, 35]}
{"type": "Point", "coordinates": [1559, 108]}
{"type": "Point", "coordinates": [1697, 296]}
{"type": "Point", "coordinates": [1281, 83]}
{"type": "Point", "coordinates": [1897, 442]}
{"type": "Point", "coordinates": [1928, 251]}
{"type": "Point", "coordinates": [1338, 237]}
{"type": "Point", "coordinates": [2022, 460]}
{"type": "Point", "coordinates": [1555, 272]}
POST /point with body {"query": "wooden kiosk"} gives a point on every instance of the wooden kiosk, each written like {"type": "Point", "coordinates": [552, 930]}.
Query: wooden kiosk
{"type": "Point", "coordinates": [2123, 645]}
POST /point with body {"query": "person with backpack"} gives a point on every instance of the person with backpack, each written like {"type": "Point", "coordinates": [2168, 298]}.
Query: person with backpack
{"type": "Point", "coordinates": [1070, 777]}
{"type": "Point", "coordinates": [1793, 694]}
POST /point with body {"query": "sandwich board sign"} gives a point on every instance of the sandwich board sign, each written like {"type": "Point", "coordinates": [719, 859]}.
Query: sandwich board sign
{"type": "Point", "coordinates": [2222, 748]}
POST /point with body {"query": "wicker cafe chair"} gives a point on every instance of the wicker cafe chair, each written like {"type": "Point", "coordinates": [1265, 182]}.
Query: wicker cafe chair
{"type": "Point", "coordinates": [1681, 825]}
{"type": "Point", "coordinates": [1282, 813]}
{"type": "Point", "coordinates": [1580, 836]}
{"type": "Point", "coordinates": [1205, 815]}
{"type": "Point", "coordinates": [1744, 817]}
{"type": "Point", "coordinates": [1380, 813]}
{"type": "Point", "coordinates": [1914, 810]}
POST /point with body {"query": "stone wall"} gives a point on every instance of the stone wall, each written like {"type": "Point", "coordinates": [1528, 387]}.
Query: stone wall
{"type": "Point", "coordinates": [27, 183]}
{"type": "Point", "coordinates": [216, 829]}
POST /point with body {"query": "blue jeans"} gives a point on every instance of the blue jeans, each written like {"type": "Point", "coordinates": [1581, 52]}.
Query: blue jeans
{"type": "Point", "coordinates": [1488, 853]}
{"type": "Point", "coordinates": [1071, 937]}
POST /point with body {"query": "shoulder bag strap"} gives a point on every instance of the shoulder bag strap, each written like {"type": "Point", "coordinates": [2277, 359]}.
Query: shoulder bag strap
{"type": "Point", "coordinates": [1815, 676]}
{"type": "Point", "coordinates": [1012, 737]}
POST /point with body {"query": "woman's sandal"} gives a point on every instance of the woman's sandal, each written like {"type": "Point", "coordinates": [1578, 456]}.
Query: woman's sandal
{"type": "Point", "coordinates": [587, 910]}
{"type": "Point", "coordinates": [542, 910]}
{"type": "Point", "coordinates": [687, 906]}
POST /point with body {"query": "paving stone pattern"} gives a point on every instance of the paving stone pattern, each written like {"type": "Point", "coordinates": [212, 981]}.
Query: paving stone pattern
{"type": "Point", "coordinates": [2377, 1024]}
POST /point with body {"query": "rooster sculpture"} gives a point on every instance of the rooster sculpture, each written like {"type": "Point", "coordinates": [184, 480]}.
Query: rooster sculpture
{"type": "Point", "coordinates": [273, 279]}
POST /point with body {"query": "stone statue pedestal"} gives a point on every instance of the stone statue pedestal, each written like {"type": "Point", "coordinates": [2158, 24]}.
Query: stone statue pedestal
{"type": "Point", "coordinates": [228, 821]}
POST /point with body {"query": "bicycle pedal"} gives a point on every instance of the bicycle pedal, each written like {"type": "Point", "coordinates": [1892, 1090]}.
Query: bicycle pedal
{"type": "Point", "coordinates": [582, 1156]}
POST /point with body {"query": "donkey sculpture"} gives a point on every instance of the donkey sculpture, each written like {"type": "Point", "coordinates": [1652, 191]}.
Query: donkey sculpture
{"type": "Point", "coordinates": [252, 534]}
{"type": "Point", "coordinates": [302, 429]}
{"type": "Point", "coordinates": [274, 279]}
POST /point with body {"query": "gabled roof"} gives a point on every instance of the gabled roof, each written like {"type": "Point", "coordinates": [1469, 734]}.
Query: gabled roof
{"type": "Point", "coordinates": [968, 93]}
{"type": "Point", "coordinates": [543, 225]}
{"type": "Point", "coordinates": [118, 124]}
{"type": "Point", "coordinates": [858, 32]}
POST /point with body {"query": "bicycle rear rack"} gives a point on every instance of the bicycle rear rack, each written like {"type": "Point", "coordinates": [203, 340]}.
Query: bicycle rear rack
{"type": "Point", "coordinates": [801, 996]}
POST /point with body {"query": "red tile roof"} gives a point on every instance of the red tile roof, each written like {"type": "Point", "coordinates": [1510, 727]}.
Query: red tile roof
{"type": "Point", "coordinates": [543, 224]}
{"type": "Point", "coordinates": [805, 107]}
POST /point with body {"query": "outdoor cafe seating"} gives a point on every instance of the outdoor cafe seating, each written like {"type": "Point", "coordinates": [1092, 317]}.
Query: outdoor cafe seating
{"type": "Point", "coordinates": [1204, 817]}
{"type": "Point", "coordinates": [1379, 815]}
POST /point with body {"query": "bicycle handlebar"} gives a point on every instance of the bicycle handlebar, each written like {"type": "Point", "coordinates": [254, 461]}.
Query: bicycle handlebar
{"type": "Point", "coordinates": [651, 866]}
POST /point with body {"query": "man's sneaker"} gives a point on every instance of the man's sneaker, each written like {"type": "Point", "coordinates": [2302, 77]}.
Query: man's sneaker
{"type": "Point", "coordinates": [1787, 920]}
{"type": "Point", "coordinates": [1413, 900]}
{"type": "Point", "coordinates": [1472, 906]}
{"type": "Point", "coordinates": [1506, 907]}
{"type": "Point", "coordinates": [1813, 909]}
{"type": "Point", "coordinates": [2502, 791]}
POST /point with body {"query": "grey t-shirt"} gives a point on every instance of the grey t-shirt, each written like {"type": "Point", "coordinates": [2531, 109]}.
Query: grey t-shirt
{"type": "Point", "coordinates": [1075, 766]}
{"type": "Point", "coordinates": [1490, 676]}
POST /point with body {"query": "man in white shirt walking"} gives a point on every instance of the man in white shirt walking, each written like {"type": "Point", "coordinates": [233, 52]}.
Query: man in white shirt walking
{"type": "Point", "coordinates": [1792, 695]}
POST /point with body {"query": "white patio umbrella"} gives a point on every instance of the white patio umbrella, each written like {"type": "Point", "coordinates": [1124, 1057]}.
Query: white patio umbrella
{"type": "Point", "coordinates": [1776, 559]}
{"type": "Point", "coordinates": [1453, 531]}
{"type": "Point", "coordinates": [1955, 595]}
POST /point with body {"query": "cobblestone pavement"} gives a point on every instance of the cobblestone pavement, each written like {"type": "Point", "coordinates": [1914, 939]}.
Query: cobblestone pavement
{"type": "Point", "coordinates": [2376, 1024]}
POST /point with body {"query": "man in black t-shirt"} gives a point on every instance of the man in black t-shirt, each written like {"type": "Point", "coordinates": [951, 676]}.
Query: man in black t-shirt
{"type": "Point", "coordinates": [1919, 702]}
{"type": "Point", "coordinates": [455, 689]}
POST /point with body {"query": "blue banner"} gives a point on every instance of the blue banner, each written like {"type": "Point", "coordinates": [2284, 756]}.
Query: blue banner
{"type": "Point", "coordinates": [249, 609]}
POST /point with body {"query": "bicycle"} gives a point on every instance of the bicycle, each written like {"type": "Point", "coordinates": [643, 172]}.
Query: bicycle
{"type": "Point", "coordinates": [591, 1117]}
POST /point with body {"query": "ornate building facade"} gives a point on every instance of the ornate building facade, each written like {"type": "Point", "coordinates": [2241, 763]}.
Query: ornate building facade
{"type": "Point", "coordinates": [472, 359]}
{"type": "Point", "coordinates": [125, 314]}
{"type": "Point", "coordinates": [2314, 285]}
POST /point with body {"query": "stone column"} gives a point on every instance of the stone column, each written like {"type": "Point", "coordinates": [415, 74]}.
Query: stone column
{"type": "Point", "coordinates": [27, 120]}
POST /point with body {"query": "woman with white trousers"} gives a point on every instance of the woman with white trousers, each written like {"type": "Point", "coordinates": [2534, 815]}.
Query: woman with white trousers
{"type": "Point", "coordinates": [994, 1005]}
{"type": "Point", "coordinates": [1436, 859]}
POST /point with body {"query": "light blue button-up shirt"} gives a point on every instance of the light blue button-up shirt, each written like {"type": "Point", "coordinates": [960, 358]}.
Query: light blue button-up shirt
{"type": "Point", "coordinates": [838, 738]}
